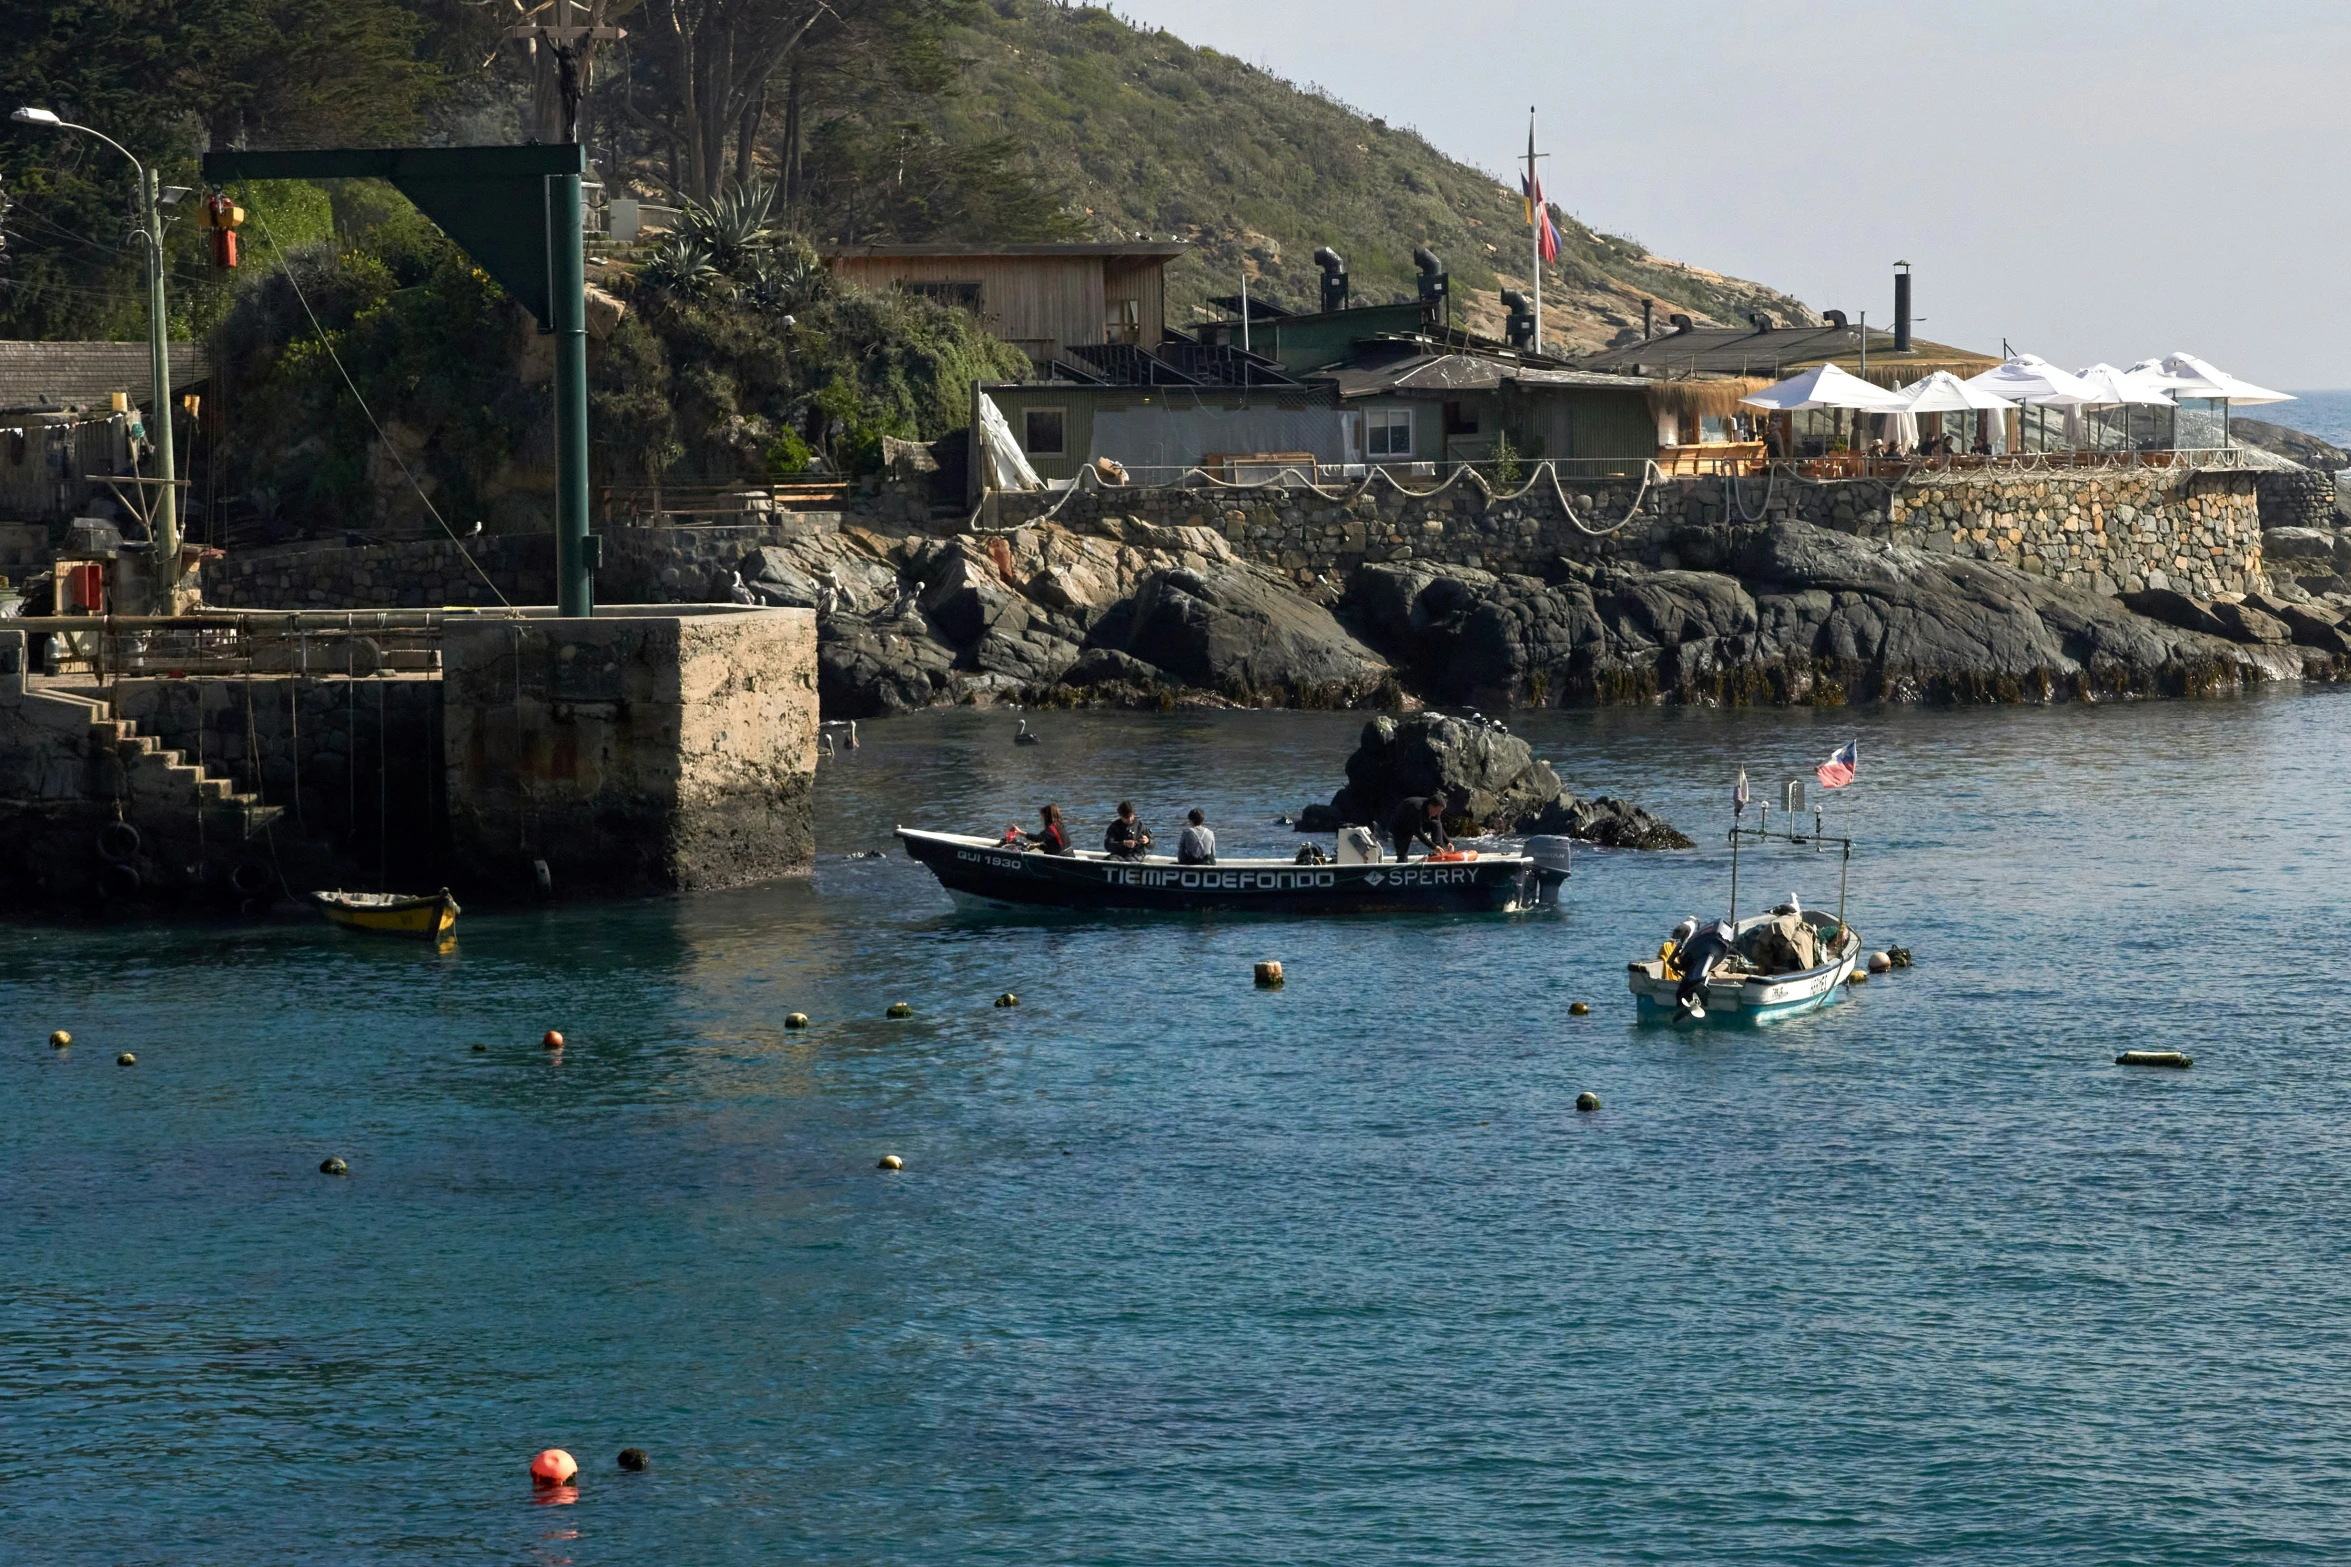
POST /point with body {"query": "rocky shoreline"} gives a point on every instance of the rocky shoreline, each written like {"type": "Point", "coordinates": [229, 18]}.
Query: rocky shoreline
{"type": "Point", "coordinates": [1130, 614]}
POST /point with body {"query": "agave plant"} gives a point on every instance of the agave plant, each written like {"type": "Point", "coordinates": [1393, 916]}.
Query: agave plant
{"type": "Point", "coordinates": [682, 269]}
{"type": "Point", "coordinates": [777, 282]}
{"type": "Point", "coordinates": [733, 227]}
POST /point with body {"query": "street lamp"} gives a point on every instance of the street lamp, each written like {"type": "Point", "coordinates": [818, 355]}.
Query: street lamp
{"type": "Point", "coordinates": [166, 510]}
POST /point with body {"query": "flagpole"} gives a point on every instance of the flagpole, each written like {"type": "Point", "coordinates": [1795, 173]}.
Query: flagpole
{"type": "Point", "coordinates": [1534, 228]}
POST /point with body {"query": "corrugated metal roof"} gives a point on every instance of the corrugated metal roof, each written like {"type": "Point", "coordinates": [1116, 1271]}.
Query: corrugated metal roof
{"type": "Point", "coordinates": [1746, 350]}
{"type": "Point", "coordinates": [1440, 373]}
{"type": "Point", "coordinates": [86, 373]}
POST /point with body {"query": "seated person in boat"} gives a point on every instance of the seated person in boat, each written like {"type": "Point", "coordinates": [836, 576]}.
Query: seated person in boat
{"type": "Point", "coordinates": [1051, 838]}
{"type": "Point", "coordinates": [1198, 844]}
{"type": "Point", "coordinates": [1125, 838]}
{"type": "Point", "coordinates": [1417, 819]}
{"type": "Point", "coordinates": [1669, 951]}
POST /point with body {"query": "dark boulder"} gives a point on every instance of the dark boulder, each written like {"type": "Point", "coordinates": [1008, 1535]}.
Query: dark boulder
{"type": "Point", "coordinates": [2244, 623]}
{"type": "Point", "coordinates": [1102, 666]}
{"type": "Point", "coordinates": [1484, 774]}
{"type": "Point", "coordinates": [2174, 608]}
{"type": "Point", "coordinates": [1238, 632]}
{"type": "Point", "coordinates": [866, 668]}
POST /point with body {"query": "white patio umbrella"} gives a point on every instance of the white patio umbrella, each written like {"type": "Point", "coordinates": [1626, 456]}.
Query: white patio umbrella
{"type": "Point", "coordinates": [2124, 389]}
{"type": "Point", "coordinates": [2028, 378]}
{"type": "Point", "coordinates": [2116, 388]}
{"type": "Point", "coordinates": [2194, 378]}
{"type": "Point", "coordinates": [1824, 386]}
{"type": "Point", "coordinates": [1945, 393]}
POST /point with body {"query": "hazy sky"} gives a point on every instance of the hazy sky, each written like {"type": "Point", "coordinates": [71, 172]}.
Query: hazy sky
{"type": "Point", "coordinates": [2089, 181]}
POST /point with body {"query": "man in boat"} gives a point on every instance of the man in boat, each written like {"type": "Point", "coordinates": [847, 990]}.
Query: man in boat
{"type": "Point", "coordinates": [1125, 838]}
{"type": "Point", "coordinates": [1698, 957]}
{"type": "Point", "coordinates": [1198, 844]}
{"type": "Point", "coordinates": [1419, 818]}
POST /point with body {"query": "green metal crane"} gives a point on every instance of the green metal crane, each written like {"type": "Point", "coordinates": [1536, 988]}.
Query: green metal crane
{"type": "Point", "coordinates": [517, 211]}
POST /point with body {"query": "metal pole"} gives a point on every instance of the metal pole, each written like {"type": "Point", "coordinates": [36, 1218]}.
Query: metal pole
{"type": "Point", "coordinates": [1244, 310]}
{"type": "Point", "coordinates": [575, 548]}
{"type": "Point", "coordinates": [1534, 228]}
{"type": "Point", "coordinates": [166, 510]}
{"type": "Point", "coordinates": [1734, 874]}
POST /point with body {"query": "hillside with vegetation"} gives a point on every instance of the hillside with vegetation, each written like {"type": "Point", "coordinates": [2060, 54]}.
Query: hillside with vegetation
{"type": "Point", "coordinates": [1141, 132]}
{"type": "Point", "coordinates": [778, 126]}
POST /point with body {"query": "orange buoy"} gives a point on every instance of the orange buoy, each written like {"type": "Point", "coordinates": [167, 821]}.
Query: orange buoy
{"type": "Point", "coordinates": [552, 1468]}
{"type": "Point", "coordinates": [552, 1041]}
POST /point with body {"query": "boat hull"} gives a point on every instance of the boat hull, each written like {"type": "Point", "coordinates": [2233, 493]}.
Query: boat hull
{"type": "Point", "coordinates": [422, 919]}
{"type": "Point", "coordinates": [1748, 999]}
{"type": "Point", "coordinates": [974, 868]}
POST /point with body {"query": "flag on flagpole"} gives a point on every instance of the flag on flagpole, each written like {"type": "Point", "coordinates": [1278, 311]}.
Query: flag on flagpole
{"type": "Point", "coordinates": [1538, 213]}
{"type": "Point", "coordinates": [1739, 795]}
{"type": "Point", "coordinates": [1837, 771]}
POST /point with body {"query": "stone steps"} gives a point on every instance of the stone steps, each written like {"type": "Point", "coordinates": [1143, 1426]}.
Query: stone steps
{"type": "Point", "coordinates": [154, 771]}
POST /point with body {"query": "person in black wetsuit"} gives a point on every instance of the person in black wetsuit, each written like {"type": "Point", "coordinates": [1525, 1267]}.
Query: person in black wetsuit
{"type": "Point", "coordinates": [1125, 838]}
{"type": "Point", "coordinates": [1049, 837]}
{"type": "Point", "coordinates": [1419, 818]}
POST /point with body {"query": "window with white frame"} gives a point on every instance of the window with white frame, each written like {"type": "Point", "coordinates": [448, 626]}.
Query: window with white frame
{"type": "Point", "coordinates": [1387, 432]}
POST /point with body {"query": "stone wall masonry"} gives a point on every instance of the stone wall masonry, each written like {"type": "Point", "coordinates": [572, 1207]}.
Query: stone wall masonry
{"type": "Point", "coordinates": [2111, 532]}
{"type": "Point", "coordinates": [355, 763]}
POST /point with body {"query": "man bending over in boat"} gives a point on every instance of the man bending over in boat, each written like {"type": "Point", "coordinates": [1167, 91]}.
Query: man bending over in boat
{"type": "Point", "coordinates": [1125, 838]}
{"type": "Point", "coordinates": [1419, 818]}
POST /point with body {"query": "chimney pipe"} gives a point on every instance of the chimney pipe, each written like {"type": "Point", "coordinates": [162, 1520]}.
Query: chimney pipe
{"type": "Point", "coordinates": [1334, 278]}
{"type": "Point", "coordinates": [1901, 307]}
{"type": "Point", "coordinates": [1648, 311]}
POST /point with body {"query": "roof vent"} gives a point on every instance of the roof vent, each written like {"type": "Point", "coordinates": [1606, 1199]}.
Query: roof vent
{"type": "Point", "coordinates": [1435, 283]}
{"type": "Point", "coordinates": [1835, 318]}
{"type": "Point", "coordinates": [1680, 323]}
{"type": "Point", "coordinates": [1762, 321]}
{"type": "Point", "coordinates": [1520, 328]}
{"type": "Point", "coordinates": [1334, 278]}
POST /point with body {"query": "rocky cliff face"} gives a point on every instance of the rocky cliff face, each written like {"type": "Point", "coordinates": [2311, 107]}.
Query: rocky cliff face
{"type": "Point", "coordinates": [1132, 614]}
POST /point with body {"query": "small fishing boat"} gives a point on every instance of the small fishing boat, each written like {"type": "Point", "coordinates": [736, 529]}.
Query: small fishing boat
{"type": "Point", "coordinates": [1739, 991]}
{"type": "Point", "coordinates": [1764, 968]}
{"type": "Point", "coordinates": [427, 917]}
{"type": "Point", "coordinates": [991, 871]}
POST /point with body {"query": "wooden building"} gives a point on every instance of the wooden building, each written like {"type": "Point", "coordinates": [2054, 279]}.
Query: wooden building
{"type": "Point", "coordinates": [1042, 299]}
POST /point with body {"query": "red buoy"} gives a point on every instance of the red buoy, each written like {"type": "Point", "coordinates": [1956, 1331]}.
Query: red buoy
{"type": "Point", "coordinates": [553, 1041]}
{"type": "Point", "coordinates": [553, 1467]}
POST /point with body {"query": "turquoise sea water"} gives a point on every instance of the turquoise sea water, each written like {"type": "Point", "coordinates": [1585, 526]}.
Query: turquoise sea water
{"type": "Point", "coordinates": [1182, 1271]}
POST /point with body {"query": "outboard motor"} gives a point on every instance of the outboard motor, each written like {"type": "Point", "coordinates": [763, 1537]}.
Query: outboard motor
{"type": "Point", "coordinates": [1520, 328]}
{"type": "Point", "coordinates": [1550, 852]}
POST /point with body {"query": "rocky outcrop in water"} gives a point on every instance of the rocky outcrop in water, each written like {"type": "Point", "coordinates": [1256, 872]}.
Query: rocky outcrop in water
{"type": "Point", "coordinates": [1786, 612]}
{"type": "Point", "coordinates": [1490, 780]}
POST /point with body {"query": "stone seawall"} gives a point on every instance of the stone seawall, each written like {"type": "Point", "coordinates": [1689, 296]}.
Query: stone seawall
{"type": "Point", "coordinates": [2111, 532]}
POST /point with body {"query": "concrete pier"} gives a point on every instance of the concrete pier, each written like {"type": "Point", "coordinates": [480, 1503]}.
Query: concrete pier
{"type": "Point", "coordinates": [507, 754]}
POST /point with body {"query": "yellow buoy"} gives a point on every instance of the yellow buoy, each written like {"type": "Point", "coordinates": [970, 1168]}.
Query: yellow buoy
{"type": "Point", "coordinates": [333, 1166]}
{"type": "Point", "coordinates": [1587, 1101]}
{"type": "Point", "coordinates": [900, 1009]}
{"type": "Point", "coordinates": [126, 1059]}
{"type": "Point", "coordinates": [1579, 1009]}
{"type": "Point", "coordinates": [1857, 977]}
{"type": "Point", "coordinates": [795, 1020]}
{"type": "Point", "coordinates": [891, 1161]}
{"type": "Point", "coordinates": [60, 1039]}
{"type": "Point", "coordinates": [1269, 974]}
{"type": "Point", "coordinates": [1008, 999]}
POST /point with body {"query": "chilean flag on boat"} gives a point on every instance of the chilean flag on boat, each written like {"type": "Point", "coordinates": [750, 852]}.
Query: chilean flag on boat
{"type": "Point", "coordinates": [1837, 771]}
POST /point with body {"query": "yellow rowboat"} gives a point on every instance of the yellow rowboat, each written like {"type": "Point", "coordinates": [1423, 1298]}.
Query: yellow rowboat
{"type": "Point", "coordinates": [391, 913]}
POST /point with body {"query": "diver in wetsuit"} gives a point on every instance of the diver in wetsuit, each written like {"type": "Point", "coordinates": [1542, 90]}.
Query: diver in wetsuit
{"type": "Point", "coordinates": [1125, 838]}
{"type": "Point", "coordinates": [1419, 818]}
{"type": "Point", "coordinates": [1697, 957]}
